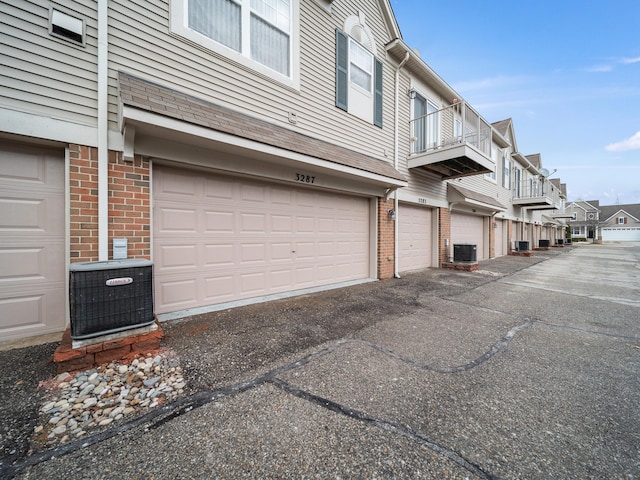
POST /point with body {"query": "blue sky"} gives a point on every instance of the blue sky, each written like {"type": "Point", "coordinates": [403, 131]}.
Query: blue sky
{"type": "Point", "coordinates": [566, 71]}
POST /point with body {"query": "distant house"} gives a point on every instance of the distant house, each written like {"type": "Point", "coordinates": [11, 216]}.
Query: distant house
{"type": "Point", "coordinates": [611, 223]}
{"type": "Point", "coordinates": [620, 223]}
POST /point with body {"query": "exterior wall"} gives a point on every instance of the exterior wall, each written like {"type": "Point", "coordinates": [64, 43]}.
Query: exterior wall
{"type": "Point", "coordinates": [444, 236]}
{"type": "Point", "coordinates": [386, 239]}
{"type": "Point", "coordinates": [167, 58]}
{"type": "Point", "coordinates": [83, 195]}
{"type": "Point", "coordinates": [44, 75]}
{"type": "Point", "coordinates": [130, 204]}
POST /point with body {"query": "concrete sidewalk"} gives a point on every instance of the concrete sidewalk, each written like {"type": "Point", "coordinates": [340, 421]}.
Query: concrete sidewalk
{"type": "Point", "coordinates": [529, 368]}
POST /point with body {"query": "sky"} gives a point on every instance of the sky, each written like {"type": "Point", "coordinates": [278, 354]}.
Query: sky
{"type": "Point", "coordinates": [567, 73]}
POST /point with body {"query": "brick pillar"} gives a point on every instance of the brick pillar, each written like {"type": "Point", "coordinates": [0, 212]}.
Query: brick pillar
{"type": "Point", "coordinates": [492, 237]}
{"type": "Point", "coordinates": [83, 193]}
{"type": "Point", "coordinates": [444, 233]}
{"type": "Point", "coordinates": [509, 235]}
{"type": "Point", "coordinates": [130, 204]}
{"type": "Point", "coordinates": [386, 239]}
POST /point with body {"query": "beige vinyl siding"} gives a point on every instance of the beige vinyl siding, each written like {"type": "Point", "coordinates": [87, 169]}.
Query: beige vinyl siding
{"type": "Point", "coordinates": [421, 183]}
{"type": "Point", "coordinates": [142, 44]}
{"type": "Point", "coordinates": [45, 75]}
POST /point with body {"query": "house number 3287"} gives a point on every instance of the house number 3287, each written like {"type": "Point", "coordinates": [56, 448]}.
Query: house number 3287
{"type": "Point", "coordinates": [300, 177]}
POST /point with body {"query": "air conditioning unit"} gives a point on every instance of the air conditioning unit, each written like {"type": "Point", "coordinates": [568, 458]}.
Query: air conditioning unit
{"type": "Point", "coordinates": [560, 241]}
{"type": "Point", "coordinates": [109, 297]}
{"type": "Point", "coordinates": [544, 243]}
{"type": "Point", "coordinates": [522, 246]}
{"type": "Point", "coordinates": [464, 253]}
{"type": "Point", "coordinates": [568, 241]}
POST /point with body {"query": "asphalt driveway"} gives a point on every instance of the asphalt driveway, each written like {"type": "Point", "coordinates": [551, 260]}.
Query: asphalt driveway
{"type": "Point", "coordinates": [529, 368]}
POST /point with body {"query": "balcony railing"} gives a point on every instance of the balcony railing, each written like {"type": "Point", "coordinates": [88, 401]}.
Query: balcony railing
{"type": "Point", "coordinates": [537, 194]}
{"type": "Point", "coordinates": [454, 141]}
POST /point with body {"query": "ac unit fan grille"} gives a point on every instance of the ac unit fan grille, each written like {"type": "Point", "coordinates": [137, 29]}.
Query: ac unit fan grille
{"type": "Point", "coordinates": [97, 308]}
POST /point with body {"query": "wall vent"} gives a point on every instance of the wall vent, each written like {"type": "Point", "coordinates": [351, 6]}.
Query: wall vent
{"type": "Point", "coordinates": [66, 26]}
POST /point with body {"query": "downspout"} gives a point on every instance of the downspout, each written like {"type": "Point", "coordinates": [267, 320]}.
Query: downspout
{"type": "Point", "coordinates": [103, 128]}
{"type": "Point", "coordinates": [396, 155]}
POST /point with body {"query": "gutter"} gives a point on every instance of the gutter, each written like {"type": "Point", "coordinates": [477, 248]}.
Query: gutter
{"type": "Point", "coordinates": [396, 162]}
{"type": "Point", "coordinates": [103, 131]}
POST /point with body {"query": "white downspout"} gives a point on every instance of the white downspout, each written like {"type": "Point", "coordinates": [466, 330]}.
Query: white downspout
{"type": "Point", "coordinates": [103, 128]}
{"type": "Point", "coordinates": [396, 161]}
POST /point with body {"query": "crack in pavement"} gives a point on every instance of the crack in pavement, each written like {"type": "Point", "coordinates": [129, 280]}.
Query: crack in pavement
{"type": "Point", "coordinates": [383, 425]}
{"type": "Point", "coordinates": [158, 417]}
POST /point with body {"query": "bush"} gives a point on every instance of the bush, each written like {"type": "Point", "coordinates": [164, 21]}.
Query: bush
{"type": "Point", "coordinates": [579, 239]}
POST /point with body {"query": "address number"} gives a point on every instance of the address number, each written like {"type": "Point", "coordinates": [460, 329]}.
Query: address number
{"type": "Point", "coordinates": [302, 178]}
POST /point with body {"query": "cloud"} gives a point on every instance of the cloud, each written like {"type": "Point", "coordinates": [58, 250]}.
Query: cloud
{"type": "Point", "coordinates": [631, 143]}
{"type": "Point", "coordinates": [599, 68]}
{"type": "Point", "coordinates": [628, 61]}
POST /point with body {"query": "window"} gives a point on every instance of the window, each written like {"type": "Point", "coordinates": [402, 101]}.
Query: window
{"type": "Point", "coordinates": [496, 154]}
{"type": "Point", "coordinates": [258, 33]}
{"type": "Point", "coordinates": [622, 220]}
{"type": "Point", "coordinates": [358, 72]}
{"type": "Point", "coordinates": [426, 124]}
{"type": "Point", "coordinates": [360, 66]}
{"type": "Point", "coordinates": [506, 171]}
{"type": "Point", "coordinates": [577, 231]}
{"type": "Point", "coordinates": [516, 181]}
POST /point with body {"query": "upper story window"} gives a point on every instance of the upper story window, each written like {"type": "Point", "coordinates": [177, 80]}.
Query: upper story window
{"type": "Point", "coordinates": [260, 34]}
{"type": "Point", "coordinates": [517, 174]}
{"type": "Point", "coordinates": [496, 154]}
{"type": "Point", "coordinates": [506, 171]}
{"type": "Point", "coordinates": [358, 72]}
{"type": "Point", "coordinates": [622, 220]}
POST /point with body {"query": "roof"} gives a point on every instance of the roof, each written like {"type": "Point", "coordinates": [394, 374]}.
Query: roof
{"type": "Point", "coordinates": [475, 198]}
{"type": "Point", "coordinates": [608, 211]}
{"type": "Point", "coordinates": [151, 97]}
{"type": "Point", "coordinates": [502, 126]}
{"type": "Point", "coordinates": [535, 160]}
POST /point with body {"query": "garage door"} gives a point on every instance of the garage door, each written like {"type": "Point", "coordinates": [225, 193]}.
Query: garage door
{"type": "Point", "coordinates": [414, 234]}
{"type": "Point", "coordinates": [219, 238]}
{"type": "Point", "coordinates": [629, 234]}
{"type": "Point", "coordinates": [32, 241]}
{"type": "Point", "coordinates": [468, 229]}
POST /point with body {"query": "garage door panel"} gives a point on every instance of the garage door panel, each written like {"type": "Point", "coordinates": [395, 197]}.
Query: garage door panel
{"type": "Point", "coordinates": [263, 234]}
{"type": "Point", "coordinates": [218, 221]}
{"type": "Point", "coordinates": [177, 220]}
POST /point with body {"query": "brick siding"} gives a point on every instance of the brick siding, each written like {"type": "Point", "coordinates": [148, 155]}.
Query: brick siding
{"type": "Point", "coordinates": [386, 239]}
{"type": "Point", "coordinates": [444, 233]}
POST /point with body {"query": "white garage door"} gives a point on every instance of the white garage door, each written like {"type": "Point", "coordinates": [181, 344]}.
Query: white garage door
{"type": "Point", "coordinates": [219, 238]}
{"type": "Point", "coordinates": [615, 234]}
{"type": "Point", "coordinates": [415, 243]}
{"type": "Point", "coordinates": [32, 241]}
{"type": "Point", "coordinates": [468, 229]}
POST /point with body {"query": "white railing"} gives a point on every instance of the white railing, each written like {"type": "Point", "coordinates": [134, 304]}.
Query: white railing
{"type": "Point", "coordinates": [453, 125]}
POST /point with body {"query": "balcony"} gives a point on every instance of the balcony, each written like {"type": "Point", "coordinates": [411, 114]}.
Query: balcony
{"type": "Point", "coordinates": [451, 142]}
{"type": "Point", "coordinates": [538, 194]}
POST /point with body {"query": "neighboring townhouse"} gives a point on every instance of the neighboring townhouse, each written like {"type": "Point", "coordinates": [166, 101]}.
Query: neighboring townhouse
{"type": "Point", "coordinates": [585, 219]}
{"type": "Point", "coordinates": [608, 223]}
{"type": "Point", "coordinates": [247, 148]}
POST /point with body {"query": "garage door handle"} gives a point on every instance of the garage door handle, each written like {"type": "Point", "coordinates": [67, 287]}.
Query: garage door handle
{"type": "Point", "coordinates": [293, 251]}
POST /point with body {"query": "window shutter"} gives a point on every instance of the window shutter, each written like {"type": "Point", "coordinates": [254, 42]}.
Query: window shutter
{"type": "Point", "coordinates": [342, 66]}
{"type": "Point", "coordinates": [377, 94]}
{"type": "Point", "coordinates": [625, 220]}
